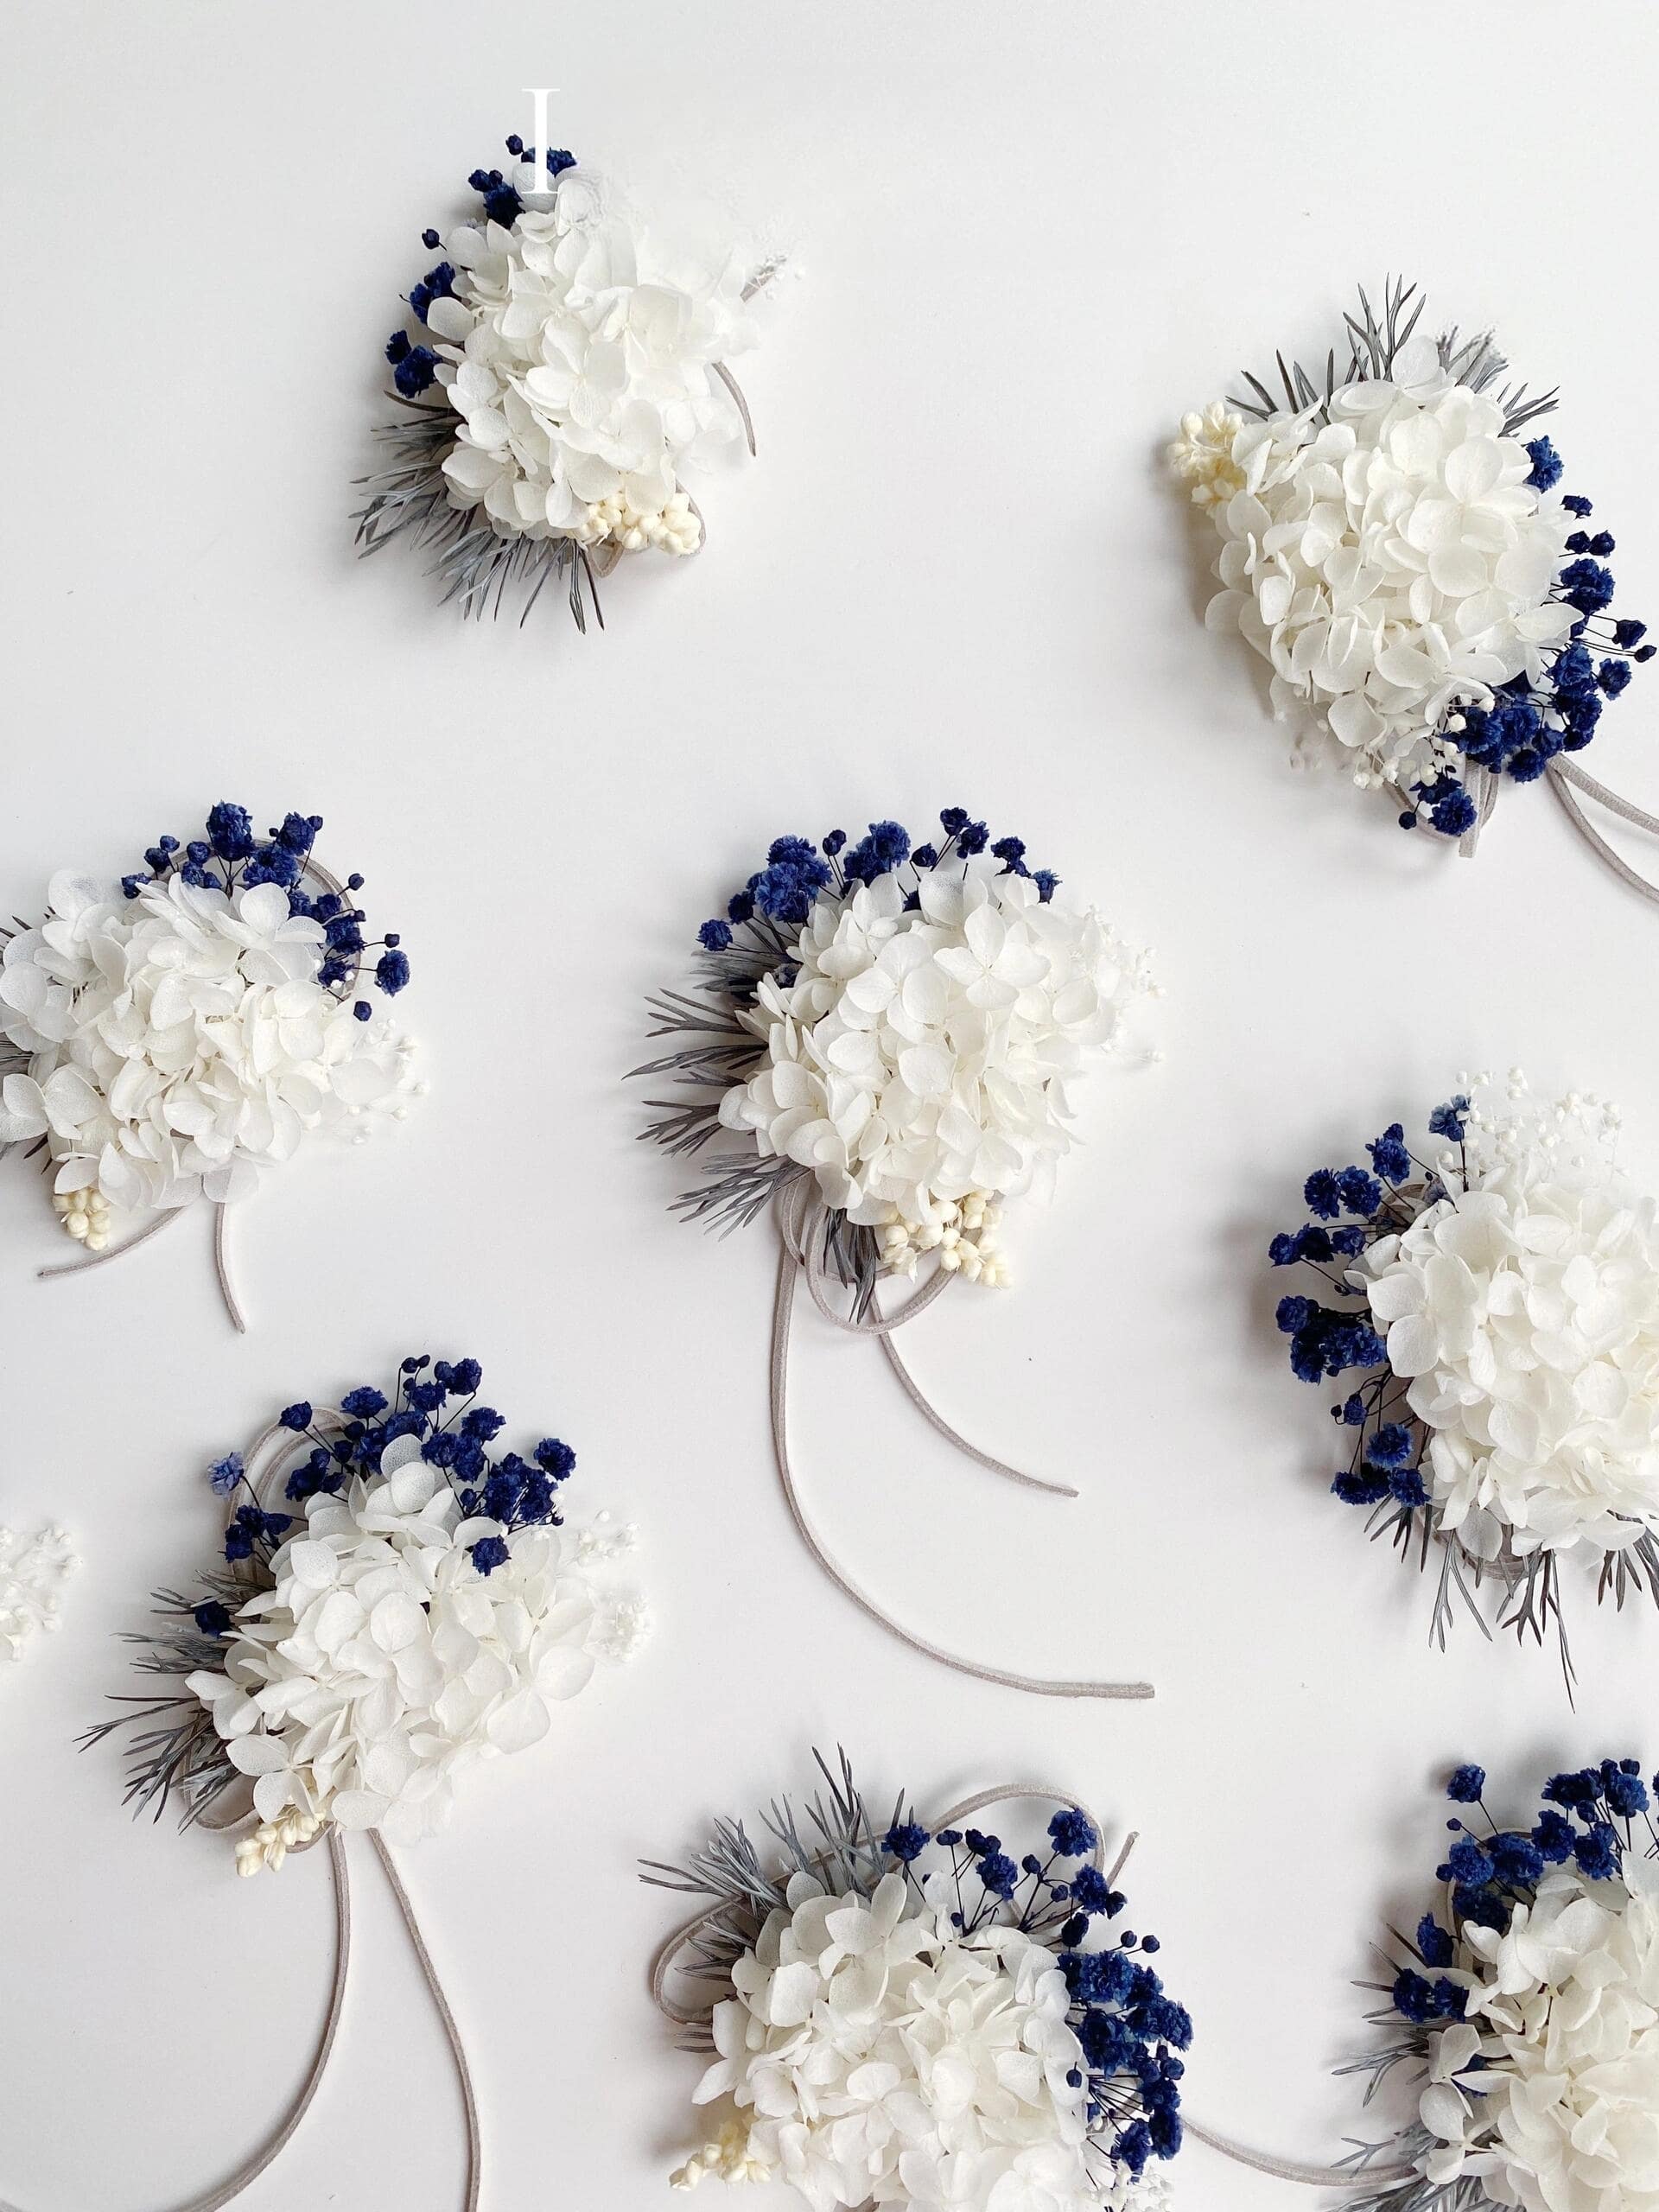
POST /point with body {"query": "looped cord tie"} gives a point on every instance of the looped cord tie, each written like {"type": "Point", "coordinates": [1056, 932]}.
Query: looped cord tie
{"type": "Point", "coordinates": [1566, 778]}
{"type": "Point", "coordinates": [1564, 775]}
{"type": "Point", "coordinates": [326, 1418]}
{"type": "Point", "coordinates": [801, 1219]}
{"type": "Point", "coordinates": [221, 1260]}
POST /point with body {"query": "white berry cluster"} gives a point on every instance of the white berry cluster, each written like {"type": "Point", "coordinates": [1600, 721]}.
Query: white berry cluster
{"type": "Point", "coordinates": [962, 1232]}
{"type": "Point", "coordinates": [676, 528]}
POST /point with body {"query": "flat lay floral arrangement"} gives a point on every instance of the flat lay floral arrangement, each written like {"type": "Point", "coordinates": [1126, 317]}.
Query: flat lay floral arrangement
{"type": "Point", "coordinates": [905, 2015]}
{"type": "Point", "coordinates": [1524, 2016]}
{"type": "Point", "coordinates": [570, 361]}
{"type": "Point", "coordinates": [1433, 608]}
{"type": "Point", "coordinates": [1489, 1306]}
{"type": "Point", "coordinates": [901, 1023]}
{"type": "Point", "coordinates": [165, 1037]}
{"type": "Point", "coordinates": [417, 1601]}
{"type": "Point", "coordinates": [882, 1048]}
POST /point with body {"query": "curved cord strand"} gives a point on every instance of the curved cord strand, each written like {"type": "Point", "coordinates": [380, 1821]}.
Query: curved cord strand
{"type": "Point", "coordinates": [783, 1305]}
{"type": "Point", "coordinates": [249, 2170]}
{"type": "Point", "coordinates": [1563, 776]}
{"type": "Point", "coordinates": [457, 2049]}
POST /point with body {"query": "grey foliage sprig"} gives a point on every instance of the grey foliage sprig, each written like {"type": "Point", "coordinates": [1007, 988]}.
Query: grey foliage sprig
{"type": "Point", "coordinates": [173, 1752]}
{"type": "Point", "coordinates": [840, 1850]}
{"type": "Point", "coordinates": [475, 564]}
{"type": "Point", "coordinates": [1373, 345]}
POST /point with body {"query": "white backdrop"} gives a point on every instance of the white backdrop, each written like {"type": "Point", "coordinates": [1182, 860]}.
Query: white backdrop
{"type": "Point", "coordinates": [956, 574]}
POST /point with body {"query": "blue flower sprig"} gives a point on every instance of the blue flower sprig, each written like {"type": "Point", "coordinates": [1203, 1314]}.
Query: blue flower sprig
{"type": "Point", "coordinates": [415, 365]}
{"type": "Point", "coordinates": [1594, 1818]}
{"type": "Point", "coordinates": [435, 1401]}
{"type": "Point", "coordinates": [1131, 2032]}
{"type": "Point", "coordinates": [763, 921]}
{"type": "Point", "coordinates": [1353, 1207]}
{"type": "Point", "coordinates": [1128, 2029]}
{"type": "Point", "coordinates": [230, 858]}
{"type": "Point", "coordinates": [1527, 725]}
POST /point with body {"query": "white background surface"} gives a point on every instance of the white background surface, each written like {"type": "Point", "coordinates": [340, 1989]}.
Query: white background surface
{"type": "Point", "coordinates": [957, 573]}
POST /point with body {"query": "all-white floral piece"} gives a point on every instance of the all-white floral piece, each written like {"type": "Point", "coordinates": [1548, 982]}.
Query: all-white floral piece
{"type": "Point", "coordinates": [173, 1042]}
{"type": "Point", "coordinates": [922, 1056]}
{"type": "Point", "coordinates": [1547, 2094]}
{"type": "Point", "coordinates": [1383, 550]}
{"type": "Point", "coordinates": [873, 2054]}
{"type": "Point", "coordinates": [1523, 1306]}
{"type": "Point", "coordinates": [382, 1662]}
{"type": "Point", "coordinates": [33, 1571]}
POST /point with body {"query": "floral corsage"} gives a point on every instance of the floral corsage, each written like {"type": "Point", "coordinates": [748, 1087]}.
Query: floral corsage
{"type": "Point", "coordinates": [1433, 608]}
{"type": "Point", "coordinates": [568, 362]}
{"type": "Point", "coordinates": [1490, 1307]}
{"type": "Point", "coordinates": [420, 1605]}
{"type": "Point", "coordinates": [911, 2017]}
{"type": "Point", "coordinates": [163, 1038]}
{"type": "Point", "coordinates": [416, 1602]}
{"type": "Point", "coordinates": [1526, 2010]}
{"type": "Point", "coordinates": [887, 1033]}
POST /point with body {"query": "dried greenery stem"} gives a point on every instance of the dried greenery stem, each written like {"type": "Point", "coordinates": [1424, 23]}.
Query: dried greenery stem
{"type": "Point", "coordinates": [1373, 349]}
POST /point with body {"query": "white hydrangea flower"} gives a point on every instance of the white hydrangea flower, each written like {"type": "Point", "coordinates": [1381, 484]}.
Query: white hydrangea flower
{"type": "Point", "coordinates": [925, 1058]}
{"type": "Point", "coordinates": [33, 1570]}
{"type": "Point", "coordinates": [1548, 2093]}
{"type": "Point", "coordinates": [579, 349]}
{"type": "Point", "coordinates": [382, 1663]}
{"type": "Point", "coordinates": [872, 2054]}
{"type": "Point", "coordinates": [1392, 562]}
{"type": "Point", "coordinates": [173, 1042]}
{"type": "Point", "coordinates": [1524, 1308]}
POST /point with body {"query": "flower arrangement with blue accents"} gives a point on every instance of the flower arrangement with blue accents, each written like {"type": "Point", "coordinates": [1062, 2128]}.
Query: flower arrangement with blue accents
{"type": "Point", "coordinates": [164, 1036]}
{"type": "Point", "coordinates": [1432, 606]}
{"type": "Point", "coordinates": [891, 1031]}
{"type": "Point", "coordinates": [569, 362]}
{"type": "Point", "coordinates": [1490, 1311]}
{"type": "Point", "coordinates": [422, 1603]}
{"type": "Point", "coordinates": [909, 2016]}
{"type": "Point", "coordinates": [900, 1024]}
{"type": "Point", "coordinates": [1524, 2017]}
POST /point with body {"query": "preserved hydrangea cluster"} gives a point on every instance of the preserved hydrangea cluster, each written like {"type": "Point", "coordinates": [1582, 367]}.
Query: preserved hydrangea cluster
{"type": "Point", "coordinates": [33, 1570]}
{"type": "Point", "coordinates": [1499, 1302]}
{"type": "Point", "coordinates": [170, 1033]}
{"type": "Point", "coordinates": [1406, 563]}
{"type": "Point", "coordinates": [923, 2022]}
{"type": "Point", "coordinates": [423, 1606]}
{"type": "Point", "coordinates": [1530, 2023]}
{"type": "Point", "coordinates": [904, 1023]}
{"type": "Point", "coordinates": [573, 359]}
